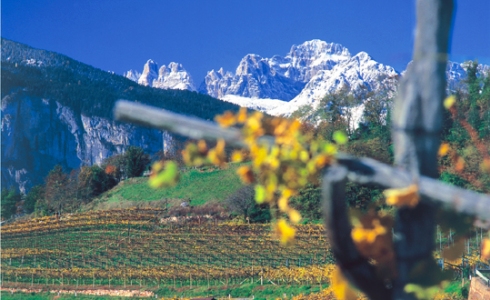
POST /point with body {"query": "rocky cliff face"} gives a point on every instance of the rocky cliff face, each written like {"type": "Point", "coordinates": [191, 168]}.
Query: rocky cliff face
{"type": "Point", "coordinates": [56, 110]}
{"type": "Point", "coordinates": [38, 134]}
{"type": "Point", "coordinates": [278, 77]}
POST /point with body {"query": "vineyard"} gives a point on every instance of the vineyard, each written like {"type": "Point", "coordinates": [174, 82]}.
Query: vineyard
{"type": "Point", "coordinates": [143, 249]}
{"type": "Point", "coordinates": [137, 247]}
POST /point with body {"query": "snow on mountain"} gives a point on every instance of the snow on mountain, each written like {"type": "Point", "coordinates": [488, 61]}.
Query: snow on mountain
{"type": "Point", "coordinates": [173, 76]}
{"type": "Point", "coordinates": [216, 83]}
{"type": "Point", "coordinates": [305, 60]}
{"type": "Point", "coordinates": [277, 77]}
{"type": "Point", "coordinates": [360, 74]}
{"type": "Point", "coordinates": [149, 74]}
{"type": "Point", "coordinates": [253, 78]}
{"type": "Point", "coordinates": [457, 72]}
{"type": "Point", "coordinates": [133, 75]}
{"type": "Point", "coordinates": [281, 84]}
{"type": "Point", "coordinates": [302, 77]}
{"type": "Point", "coordinates": [263, 105]}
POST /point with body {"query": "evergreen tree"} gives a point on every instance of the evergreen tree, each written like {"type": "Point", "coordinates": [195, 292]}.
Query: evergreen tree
{"type": "Point", "coordinates": [9, 201]}
{"type": "Point", "coordinates": [35, 194]}
{"type": "Point", "coordinates": [136, 161]}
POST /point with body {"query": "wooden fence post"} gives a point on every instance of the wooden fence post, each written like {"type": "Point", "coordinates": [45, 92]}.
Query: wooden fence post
{"type": "Point", "coordinates": [416, 129]}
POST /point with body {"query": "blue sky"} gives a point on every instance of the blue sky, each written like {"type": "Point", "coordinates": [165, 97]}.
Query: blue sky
{"type": "Point", "coordinates": [119, 35]}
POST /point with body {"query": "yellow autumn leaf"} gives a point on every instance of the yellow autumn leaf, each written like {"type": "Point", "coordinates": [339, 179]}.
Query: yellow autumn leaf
{"type": "Point", "coordinates": [220, 146]}
{"type": "Point", "coordinates": [281, 127]}
{"type": "Point", "coordinates": [485, 249]}
{"type": "Point", "coordinates": [321, 161]}
{"type": "Point", "coordinates": [402, 197]}
{"type": "Point", "coordinates": [226, 120]}
{"type": "Point", "coordinates": [449, 101]}
{"type": "Point", "coordinates": [242, 115]}
{"type": "Point", "coordinates": [294, 216]}
{"type": "Point", "coordinates": [246, 174]}
{"type": "Point", "coordinates": [237, 156]}
{"type": "Point", "coordinates": [202, 147]}
{"type": "Point", "coordinates": [304, 156]}
{"type": "Point", "coordinates": [485, 165]}
{"type": "Point", "coordinates": [284, 231]}
{"type": "Point", "coordinates": [282, 203]}
{"type": "Point", "coordinates": [341, 287]}
{"type": "Point", "coordinates": [330, 149]}
{"type": "Point", "coordinates": [254, 122]}
{"type": "Point", "coordinates": [443, 149]}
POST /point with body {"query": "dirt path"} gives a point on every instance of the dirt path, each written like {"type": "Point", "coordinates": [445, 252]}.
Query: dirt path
{"type": "Point", "coordinates": [96, 292]}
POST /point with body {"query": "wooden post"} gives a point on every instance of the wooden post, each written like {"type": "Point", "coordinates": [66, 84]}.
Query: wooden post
{"type": "Point", "coordinates": [416, 129]}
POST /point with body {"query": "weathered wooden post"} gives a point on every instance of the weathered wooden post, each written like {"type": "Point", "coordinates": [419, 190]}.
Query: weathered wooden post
{"type": "Point", "coordinates": [416, 130]}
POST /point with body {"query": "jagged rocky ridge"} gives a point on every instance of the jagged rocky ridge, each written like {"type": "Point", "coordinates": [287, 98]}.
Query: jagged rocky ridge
{"type": "Point", "coordinates": [56, 110]}
{"type": "Point", "coordinates": [173, 76]}
{"type": "Point", "coordinates": [281, 84]}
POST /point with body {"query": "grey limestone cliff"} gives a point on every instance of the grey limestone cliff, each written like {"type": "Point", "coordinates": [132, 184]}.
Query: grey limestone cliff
{"type": "Point", "coordinates": [38, 134]}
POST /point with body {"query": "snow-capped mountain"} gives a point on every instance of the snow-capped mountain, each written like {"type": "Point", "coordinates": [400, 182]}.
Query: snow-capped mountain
{"type": "Point", "coordinates": [281, 84]}
{"type": "Point", "coordinates": [457, 72]}
{"type": "Point", "coordinates": [278, 77]}
{"type": "Point", "coordinates": [173, 76]}
{"type": "Point", "coordinates": [133, 75]}
{"type": "Point", "coordinates": [255, 77]}
{"type": "Point", "coordinates": [359, 73]}
{"type": "Point", "coordinates": [302, 77]}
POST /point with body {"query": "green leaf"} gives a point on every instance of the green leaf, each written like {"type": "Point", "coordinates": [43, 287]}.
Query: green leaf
{"type": "Point", "coordinates": [259, 194]}
{"type": "Point", "coordinates": [422, 292]}
{"type": "Point", "coordinates": [167, 177]}
{"type": "Point", "coordinates": [340, 138]}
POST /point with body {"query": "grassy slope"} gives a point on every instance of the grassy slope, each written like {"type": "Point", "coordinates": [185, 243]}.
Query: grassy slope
{"type": "Point", "coordinates": [200, 186]}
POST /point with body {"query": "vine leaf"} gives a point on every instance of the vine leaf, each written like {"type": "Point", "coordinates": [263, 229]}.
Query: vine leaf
{"type": "Point", "coordinates": [341, 287]}
{"type": "Point", "coordinates": [485, 249]}
{"type": "Point", "coordinates": [402, 197]}
{"type": "Point", "coordinates": [164, 174]}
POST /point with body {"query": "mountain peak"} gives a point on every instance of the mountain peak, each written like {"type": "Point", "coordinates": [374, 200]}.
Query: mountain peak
{"type": "Point", "coordinates": [150, 73]}
{"type": "Point", "coordinates": [315, 48]}
{"type": "Point", "coordinates": [173, 76]}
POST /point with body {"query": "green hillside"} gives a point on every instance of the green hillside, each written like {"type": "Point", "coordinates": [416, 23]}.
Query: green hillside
{"type": "Point", "coordinates": [197, 185]}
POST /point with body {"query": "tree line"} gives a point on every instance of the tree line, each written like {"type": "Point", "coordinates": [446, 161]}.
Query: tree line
{"type": "Point", "coordinates": [67, 191]}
